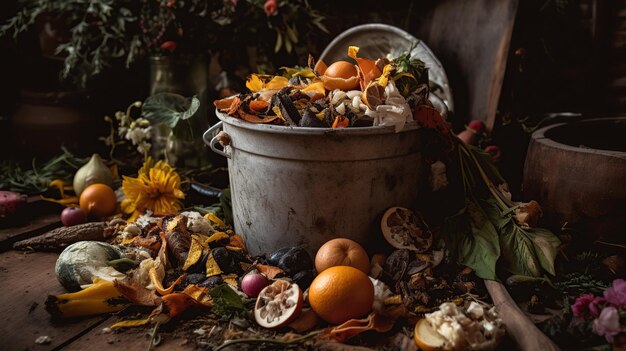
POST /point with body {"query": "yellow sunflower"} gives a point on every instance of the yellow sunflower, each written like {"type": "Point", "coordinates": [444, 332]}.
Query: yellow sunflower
{"type": "Point", "coordinates": [156, 188]}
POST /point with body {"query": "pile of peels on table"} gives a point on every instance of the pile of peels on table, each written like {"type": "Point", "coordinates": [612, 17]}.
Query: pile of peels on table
{"type": "Point", "coordinates": [193, 273]}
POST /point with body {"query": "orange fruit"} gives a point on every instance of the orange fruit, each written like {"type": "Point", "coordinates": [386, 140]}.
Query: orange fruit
{"type": "Point", "coordinates": [341, 69]}
{"type": "Point", "coordinates": [342, 252]}
{"type": "Point", "coordinates": [427, 338]}
{"type": "Point", "coordinates": [98, 200]}
{"type": "Point", "coordinates": [340, 75]}
{"type": "Point", "coordinates": [341, 293]}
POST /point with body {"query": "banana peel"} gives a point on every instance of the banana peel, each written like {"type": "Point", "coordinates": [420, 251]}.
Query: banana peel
{"type": "Point", "coordinates": [101, 297]}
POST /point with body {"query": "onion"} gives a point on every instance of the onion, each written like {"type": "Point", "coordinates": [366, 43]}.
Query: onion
{"type": "Point", "coordinates": [72, 216]}
{"type": "Point", "coordinates": [253, 283]}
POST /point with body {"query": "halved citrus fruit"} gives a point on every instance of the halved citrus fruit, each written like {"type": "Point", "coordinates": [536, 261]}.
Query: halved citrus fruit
{"type": "Point", "coordinates": [427, 338]}
{"type": "Point", "coordinates": [405, 229]}
{"type": "Point", "coordinates": [278, 304]}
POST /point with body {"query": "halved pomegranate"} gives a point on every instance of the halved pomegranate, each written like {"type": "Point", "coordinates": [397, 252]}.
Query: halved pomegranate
{"type": "Point", "coordinates": [278, 304]}
{"type": "Point", "coordinates": [405, 229]}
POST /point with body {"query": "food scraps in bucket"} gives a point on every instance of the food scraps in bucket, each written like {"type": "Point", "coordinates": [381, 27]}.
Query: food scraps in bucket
{"type": "Point", "coordinates": [336, 96]}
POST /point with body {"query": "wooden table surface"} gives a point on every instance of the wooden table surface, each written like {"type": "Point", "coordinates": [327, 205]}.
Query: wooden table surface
{"type": "Point", "coordinates": [27, 279]}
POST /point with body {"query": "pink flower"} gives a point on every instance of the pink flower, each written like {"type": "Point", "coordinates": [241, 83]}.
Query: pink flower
{"type": "Point", "coordinates": [270, 7]}
{"type": "Point", "coordinates": [233, 2]}
{"type": "Point", "coordinates": [616, 294]}
{"type": "Point", "coordinates": [607, 324]}
{"type": "Point", "coordinates": [587, 306]}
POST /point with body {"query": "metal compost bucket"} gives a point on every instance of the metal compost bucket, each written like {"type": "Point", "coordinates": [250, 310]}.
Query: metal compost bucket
{"type": "Point", "coordinates": [304, 186]}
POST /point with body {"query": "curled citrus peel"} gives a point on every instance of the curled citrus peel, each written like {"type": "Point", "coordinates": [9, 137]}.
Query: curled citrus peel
{"type": "Point", "coordinates": [368, 71]}
{"type": "Point", "coordinates": [337, 78]}
{"type": "Point", "coordinates": [354, 327]}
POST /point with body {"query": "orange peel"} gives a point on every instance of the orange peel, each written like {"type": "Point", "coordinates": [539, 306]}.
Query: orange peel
{"type": "Point", "coordinates": [368, 71]}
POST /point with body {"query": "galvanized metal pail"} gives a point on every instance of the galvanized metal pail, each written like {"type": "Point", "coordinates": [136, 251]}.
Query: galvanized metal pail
{"type": "Point", "coordinates": [304, 186]}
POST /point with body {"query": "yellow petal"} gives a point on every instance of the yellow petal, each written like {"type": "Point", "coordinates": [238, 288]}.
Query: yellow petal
{"type": "Point", "coordinates": [200, 294]}
{"type": "Point", "coordinates": [230, 279]}
{"type": "Point", "coordinates": [217, 236]}
{"type": "Point", "coordinates": [212, 268]}
{"type": "Point", "coordinates": [128, 206]}
{"type": "Point", "coordinates": [384, 78]}
{"type": "Point", "coordinates": [317, 87]}
{"type": "Point", "coordinates": [278, 82]}
{"type": "Point", "coordinates": [254, 83]}
{"type": "Point", "coordinates": [131, 323]}
{"type": "Point", "coordinates": [213, 218]}
{"type": "Point", "coordinates": [353, 51]}
{"type": "Point", "coordinates": [195, 252]}
{"type": "Point", "coordinates": [154, 278]}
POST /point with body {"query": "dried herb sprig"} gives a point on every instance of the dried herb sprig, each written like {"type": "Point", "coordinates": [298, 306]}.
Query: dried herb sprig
{"type": "Point", "coordinates": [37, 179]}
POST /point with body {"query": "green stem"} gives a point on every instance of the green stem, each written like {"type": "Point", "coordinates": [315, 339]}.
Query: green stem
{"type": "Point", "coordinates": [155, 338]}
{"type": "Point", "coordinates": [505, 204]}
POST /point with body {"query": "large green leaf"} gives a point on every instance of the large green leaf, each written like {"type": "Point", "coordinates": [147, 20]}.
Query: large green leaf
{"type": "Point", "coordinates": [169, 108]}
{"type": "Point", "coordinates": [546, 247]}
{"type": "Point", "coordinates": [473, 240]}
{"type": "Point", "coordinates": [518, 251]}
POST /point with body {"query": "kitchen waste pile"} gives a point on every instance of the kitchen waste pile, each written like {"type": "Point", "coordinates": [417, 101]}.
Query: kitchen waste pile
{"type": "Point", "coordinates": [423, 289]}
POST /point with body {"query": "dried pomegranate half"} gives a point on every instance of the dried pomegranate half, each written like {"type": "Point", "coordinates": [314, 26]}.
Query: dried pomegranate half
{"type": "Point", "coordinates": [278, 304]}
{"type": "Point", "coordinates": [405, 229]}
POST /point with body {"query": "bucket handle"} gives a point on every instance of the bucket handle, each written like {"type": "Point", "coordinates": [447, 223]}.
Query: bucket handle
{"type": "Point", "coordinates": [210, 138]}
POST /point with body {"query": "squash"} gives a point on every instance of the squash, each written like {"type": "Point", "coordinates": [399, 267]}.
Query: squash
{"type": "Point", "coordinates": [80, 262]}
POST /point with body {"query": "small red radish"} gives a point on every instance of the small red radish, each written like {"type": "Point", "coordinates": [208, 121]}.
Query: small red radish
{"type": "Point", "coordinates": [73, 216]}
{"type": "Point", "coordinates": [494, 151]}
{"type": "Point", "coordinates": [253, 283]}
{"type": "Point", "coordinates": [470, 135]}
{"type": "Point", "coordinates": [10, 202]}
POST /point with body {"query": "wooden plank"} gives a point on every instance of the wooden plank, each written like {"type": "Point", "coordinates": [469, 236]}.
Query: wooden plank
{"type": "Point", "coordinates": [474, 67]}
{"type": "Point", "coordinates": [35, 218]}
{"type": "Point", "coordinates": [36, 226]}
{"type": "Point", "coordinates": [519, 327]}
{"type": "Point", "coordinates": [27, 279]}
{"type": "Point", "coordinates": [129, 339]}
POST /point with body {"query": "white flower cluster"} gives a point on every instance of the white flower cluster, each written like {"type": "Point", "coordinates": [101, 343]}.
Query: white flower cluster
{"type": "Point", "coordinates": [137, 131]}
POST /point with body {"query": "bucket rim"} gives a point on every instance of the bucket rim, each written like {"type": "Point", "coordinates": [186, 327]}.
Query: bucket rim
{"type": "Point", "coordinates": [278, 129]}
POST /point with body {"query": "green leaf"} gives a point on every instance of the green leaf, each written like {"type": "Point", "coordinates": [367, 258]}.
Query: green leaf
{"type": "Point", "coordinates": [193, 108]}
{"type": "Point", "coordinates": [169, 108]}
{"type": "Point", "coordinates": [288, 44]}
{"type": "Point", "coordinates": [226, 302]}
{"type": "Point", "coordinates": [518, 251]}
{"type": "Point", "coordinates": [473, 240]}
{"type": "Point", "coordinates": [546, 247]}
{"type": "Point", "coordinates": [292, 34]}
{"type": "Point", "coordinates": [279, 41]}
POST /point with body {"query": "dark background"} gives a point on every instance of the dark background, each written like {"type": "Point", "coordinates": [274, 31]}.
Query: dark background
{"type": "Point", "coordinates": [565, 56]}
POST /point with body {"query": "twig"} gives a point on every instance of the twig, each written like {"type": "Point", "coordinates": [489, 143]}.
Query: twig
{"type": "Point", "coordinates": [155, 338]}
{"type": "Point", "coordinates": [269, 341]}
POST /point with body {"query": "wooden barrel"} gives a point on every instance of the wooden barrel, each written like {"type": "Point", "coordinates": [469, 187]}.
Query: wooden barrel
{"type": "Point", "coordinates": [577, 171]}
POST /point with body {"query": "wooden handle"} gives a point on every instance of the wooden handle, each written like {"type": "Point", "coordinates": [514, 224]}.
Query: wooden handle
{"type": "Point", "coordinates": [520, 328]}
